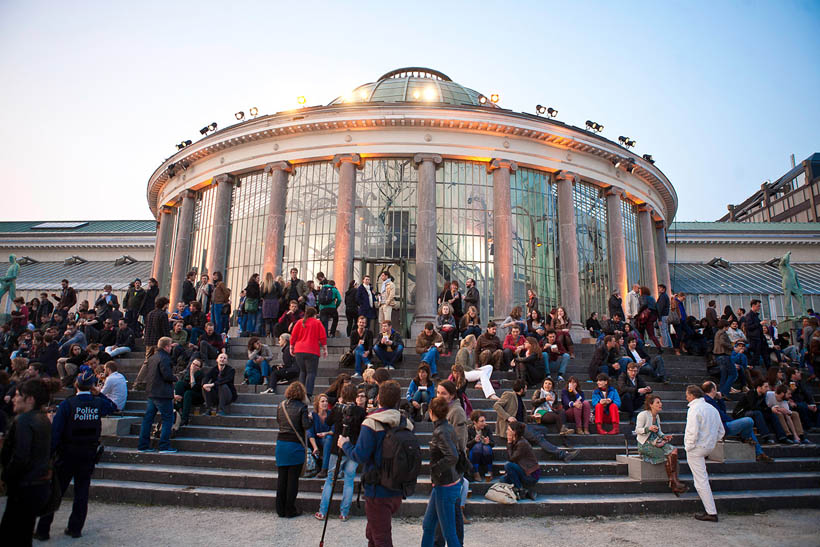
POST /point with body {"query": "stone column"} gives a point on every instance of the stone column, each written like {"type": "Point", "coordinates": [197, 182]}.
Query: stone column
{"type": "Point", "coordinates": [568, 247]}
{"type": "Point", "coordinates": [662, 258]}
{"type": "Point", "coordinates": [650, 273]}
{"type": "Point", "coordinates": [616, 243]}
{"type": "Point", "coordinates": [426, 243]}
{"type": "Point", "coordinates": [275, 231]}
{"type": "Point", "coordinates": [183, 245]}
{"type": "Point", "coordinates": [218, 246]}
{"type": "Point", "coordinates": [165, 224]}
{"type": "Point", "coordinates": [345, 220]}
{"type": "Point", "coordinates": [502, 237]}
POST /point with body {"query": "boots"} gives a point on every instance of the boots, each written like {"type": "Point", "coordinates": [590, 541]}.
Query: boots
{"type": "Point", "coordinates": [675, 485]}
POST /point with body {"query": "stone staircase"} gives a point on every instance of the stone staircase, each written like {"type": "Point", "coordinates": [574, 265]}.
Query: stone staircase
{"type": "Point", "coordinates": [229, 461]}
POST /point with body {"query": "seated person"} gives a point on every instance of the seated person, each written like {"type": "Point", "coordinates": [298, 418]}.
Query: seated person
{"type": "Point", "coordinates": [257, 369]}
{"type": "Point", "coordinates": [536, 326]}
{"type": "Point", "coordinates": [188, 390]}
{"type": "Point", "coordinates": [632, 389]}
{"type": "Point", "coordinates": [576, 408]}
{"type": "Point", "coordinates": [334, 391]}
{"type": "Point", "coordinates": [741, 364]}
{"type": "Point", "coordinates": [428, 345]}
{"type": "Point", "coordinates": [195, 322]}
{"type": "Point", "coordinates": [489, 350]}
{"type": "Point", "coordinates": [289, 318]}
{"type": "Point", "coordinates": [529, 362]}
{"type": "Point", "coordinates": [607, 359]}
{"type": "Point", "coordinates": [95, 350]}
{"type": "Point", "coordinates": [287, 370]}
{"type": "Point", "coordinates": [753, 405]}
{"type": "Point", "coordinates": [480, 445]}
{"type": "Point", "coordinates": [742, 427]}
{"type": "Point", "coordinates": [369, 386]}
{"type": "Point", "coordinates": [361, 344]}
{"type": "Point", "coordinates": [180, 349]}
{"type": "Point", "coordinates": [594, 326]}
{"type": "Point", "coordinates": [115, 386]}
{"type": "Point", "coordinates": [320, 435]}
{"type": "Point", "coordinates": [615, 325]}
{"type": "Point", "coordinates": [389, 345]}
{"type": "Point", "coordinates": [735, 333]}
{"type": "Point", "coordinates": [446, 327]}
{"type": "Point", "coordinates": [470, 323]}
{"type": "Point", "coordinates": [646, 365]}
{"type": "Point", "coordinates": [513, 345]}
{"type": "Point", "coordinates": [123, 342]}
{"type": "Point", "coordinates": [211, 344]}
{"type": "Point", "coordinates": [655, 447]}
{"type": "Point", "coordinates": [778, 401]}
{"type": "Point", "coordinates": [558, 355]}
{"type": "Point", "coordinates": [803, 397]}
{"type": "Point", "coordinates": [180, 313]}
{"type": "Point", "coordinates": [421, 391]}
{"type": "Point", "coordinates": [69, 365]}
{"type": "Point", "coordinates": [473, 373]}
{"type": "Point", "coordinates": [522, 469]}
{"type": "Point", "coordinates": [606, 402]}
{"type": "Point", "coordinates": [547, 408]}
{"type": "Point", "coordinates": [108, 334]}
{"type": "Point", "coordinates": [218, 386]}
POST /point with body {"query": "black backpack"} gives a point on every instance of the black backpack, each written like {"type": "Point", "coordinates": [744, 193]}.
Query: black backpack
{"type": "Point", "coordinates": [401, 460]}
{"type": "Point", "coordinates": [325, 296]}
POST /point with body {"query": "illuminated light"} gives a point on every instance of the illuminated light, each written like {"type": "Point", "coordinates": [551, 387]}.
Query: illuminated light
{"type": "Point", "coordinates": [648, 157]}
{"type": "Point", "coordinates": [301, 99]}
{"type": "Point", "coordinates": [203, 130]}
{"type": "Point", "coordinates": [494, 98]}
{"type": "Point", "coordinates": [361, 218]}
{"type": "Point", "coordinates": [538, 243]}
{"type": "Point", "coordinates": [482, 99]}
{"type": "Point", "coordinates": [363, 94]}
{"type": "Point", "coordinates": [254, 111]}
{"type": "Point", "coordinates": [552, 112]}
{"type": "Point", "coordinates": [239, 115]}
{"type": "Point", "coordinates": [540, 109]}
{"type": "Point", "coordinates": [416, 94]}
{"type": "Point", "coordinates": [430, 94]}
{"type": "Point", "coordinates": [212, 126]}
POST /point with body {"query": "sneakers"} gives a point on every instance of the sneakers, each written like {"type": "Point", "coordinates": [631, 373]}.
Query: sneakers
{"type": "Point", "coordinates": [560, 378]}
{"type": "Point", "coordinates": [570, 455]}
{"type": "Point", "coordinates": [269, 390]}
{"type": "Point", "coordinates": [764, 458]}
{"type": "Point", "coordinates": [322, 474]}
{"type": "Point", "coordinates": [146, 450]}
{"type": "Point", "coordinates": [169, 451]}
{"type": "Point", "coordinates": [356, 375]}
{"type": "Point", "coordinates": [565, 431]}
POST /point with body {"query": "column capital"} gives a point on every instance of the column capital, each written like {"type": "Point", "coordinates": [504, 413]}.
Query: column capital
{"type": "Point", "coordinates": [224, 177]}
{"type": "Point", "coordinates": [498, 163]}
{"type": "Point", "coordinates": [434, 158]}
{"type": "Point", "coordinates": [615, 191]}
{"type": "Point", "coordinates": [568, 176]}
{"type": "Point", "coordinates": [285, 166]}
{"type": "Point", "coordinates": [660, 224]}
{"type": "Point", "coordinates": [355, 159]}
{"type": "Point", "coordinates": [185, 194]}
{"type": "Point", "coordinates": [166, 209]}
{"type": "Point", "coordinates": [645, 208]}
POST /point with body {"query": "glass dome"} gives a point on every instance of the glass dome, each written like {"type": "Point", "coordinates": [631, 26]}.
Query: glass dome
{"type": "Point", "coordinates": [414, 85]}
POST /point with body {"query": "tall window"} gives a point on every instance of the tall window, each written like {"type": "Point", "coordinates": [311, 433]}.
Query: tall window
{"type": "Point", "coordinates": [249, 217]}
{"type": "Point", "coordinates": [632, 242]}
{"type": "Point", "coordinates": [593, 263]}
{"type": "Point", "coordinates": [310, 220]}
{"type": "Point", "coordinates": [464, 224]}
{"type": "Point", "coordinates": [535, 237]}
{"type": "Point", "coordinates": [165, 288]}
{"type": "Point", "coordinates": [201, 232]}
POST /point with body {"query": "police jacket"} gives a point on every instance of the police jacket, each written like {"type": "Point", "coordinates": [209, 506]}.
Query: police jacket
{"type": "Point", "coordinates": [26, 450]}
{"type": "Point", "coordinates": [77, 424]}
{"type": "Point", "coordinates": [160, 376]}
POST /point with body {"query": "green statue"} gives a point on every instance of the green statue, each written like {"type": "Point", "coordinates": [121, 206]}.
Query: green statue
{"type": "Point", "coordinates": [791, 286]}
{"type": "Point", "coordinates": [7, 283]}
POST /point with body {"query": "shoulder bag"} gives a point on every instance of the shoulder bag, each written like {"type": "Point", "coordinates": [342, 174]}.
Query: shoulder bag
{"type": "Point", "coordinates": [309, 468]}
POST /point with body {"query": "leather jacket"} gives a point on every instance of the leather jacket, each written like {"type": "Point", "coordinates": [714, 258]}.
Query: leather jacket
{"type": "Point", "coordinates": [443, 454]}
{"type": "Point", "coordinates": [298, 413]}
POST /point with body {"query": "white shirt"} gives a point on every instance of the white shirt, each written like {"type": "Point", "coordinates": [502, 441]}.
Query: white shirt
{"type": "Point", "coordinates": [703, 426]}
{"type": "Point", "coordinates": [633, 300]}
{"type": "Point", "coordinates": [116, 389]}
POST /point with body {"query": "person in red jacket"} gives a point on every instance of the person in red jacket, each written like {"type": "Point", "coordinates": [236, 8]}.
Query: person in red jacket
{"type": "Point", "coordinates": [308, 341]}
{"type": "Point", "coordinates": [513, 344]}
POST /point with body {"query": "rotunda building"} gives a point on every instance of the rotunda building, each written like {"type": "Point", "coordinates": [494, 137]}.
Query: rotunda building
{"type": "Point", "coordinates": [423, 177]}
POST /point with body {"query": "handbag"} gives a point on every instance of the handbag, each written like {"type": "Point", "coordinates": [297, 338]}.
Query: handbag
{"type": "Point", "coordinates": [502, 493]}
{"type": "Point", "coordinates": [310, 462]}
{"type": "Point", "coordinates": [251, 305]}
{"type": "Point", "coordinates": [347, 360]}
{"type": "Point", "coordinates": [674, 317]}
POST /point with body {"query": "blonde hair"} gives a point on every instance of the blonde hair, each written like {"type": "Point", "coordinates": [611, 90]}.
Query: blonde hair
{"type": "Point", "coordinates": [267, 285]}
{"type": "Point", "coordinates": [368, 374]}
{"type": "Point", "coordinates": [468, 342]}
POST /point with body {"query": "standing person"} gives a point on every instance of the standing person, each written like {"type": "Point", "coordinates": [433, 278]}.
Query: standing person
{"type": "Point", "coordinates": [758, 348]}
{"type": "Point", "coordinates": [368, 302]}
{"type": "Point", "coordinates": [75, 437]}
{"type": "Point", "coordinates": [633, 303]}
{"type": "Point", "coordinates": [66, 300]}
{"type": "Point", "coordinates": [156, 327]}
{"type": "Point", "coordinates": [647, 317]}
{"type": "Point", "coordinates": [722, 350]}
{"type": "Point", "coordinates": [204, 289]}
{"type": "Point", "coordinates": [295, 289]}
{"type": "Point", "coordinates": [380, 503]}
{"type": "Point", "coordinates": [134, 299]}
{"type": "Point", "coordinates": [294, 419]}
{"type": "Point", "coordinates": [446, 480]}
{"type": "Point", "coordinates": [105, 303]}
{"type": "Point", "coordinates": [703, 430]}
{"type": "Point", "coordinates": [311, 295]}
{"type": "Point", "coordinates": [471, 295]}
{"type": "Point", "coordinates": [655, 447]}
{"type": "Point", "coordinates": [26, 455]}
{"type": "Point", "coordinates": [615, 304]}
{"type": "Point", "coordinates": [387, 297]}
{"type": "Point", "coordinates": [220, 300]}
{"type": "Point", "coordinates": [663, 315]}
{"type": "Point", "coordinates": [188, 289]}
{"type": "Point", "coordinates": [251, 306]}
{"type": "Point", "coordinates": [160, 386]}
{"type": "Point", "coordinates": [532, 302]}
{"type": "Point", "coordinates": [351, 306]}
{"type": "Point", "coordinates": [307, 342]}
{"type": "Point", "coordinates": [329, 300]}
{"type": "Point", "coordinates": [151, 293]}
{"type": "Point", "coordinates": [271, 294]}
{"type": "Point", "coordinates": [46, 306]}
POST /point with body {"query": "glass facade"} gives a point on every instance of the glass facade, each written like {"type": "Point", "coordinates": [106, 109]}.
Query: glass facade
{"type": "Point", "coordinates": [464, 225]}
{"type": "Point", "coordinates": [201, 232]}
{"type": "Point", "coordinates": [246, 239]}
{"type": "Point", "coordinates": [593, 256]}
{"type": "Point", "coordinates": [535, 237]}
{"type": "Point", "coordinates": [632, 241]}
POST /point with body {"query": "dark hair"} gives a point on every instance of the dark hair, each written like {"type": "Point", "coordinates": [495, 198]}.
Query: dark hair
{"type": "Point", "coordinates": [781, 389]}
{"type": "Point", "coordinates": [491, 324]}
{"type": "Point", "coordinates": [662, 285]}
{"type": "Point", "coordinates": [475, 415]}
{"type": "Point", "coordinates": [517, 428]}
{"type": "Point", "coordinates": [722, 323]}
{"type": "Point", "coordinates": [608, 338]}
{"type": "Point", "coordinates": [111, 365]}
{"type": "Point", "coordinates": [602, 377]}
{"type": "Point", "coordinates": [439, 408]}
{"type": "Point", "coordinates": [381, 375]}
{"type": "Point", "coordinates": [425, 367]}
{"type": "Point", "coordinates": [695, 391]}
{"type": "Point", "coordinates": [36, 388]}
{"type": "Point", "coordinates": [309, 312]}
{"type": "Point", "coordinates": [349, 393]}
{"type": "Point", "coordinates": [252, 342]}
{"type": "Point", "coordinates": [649, 400]}
{"type": "Point", "coordinates": [217, 277]}
{"type": "Point", "coordinates": [645, 291]}
{"type": "Point", "coordinates": [753, 302]}
{"type": "Point", "coordinates": [428, 325]}
{"type": "Point", "coordinates": [757, 382]}
{"type": "Point", "coordinates": [712, 303]}
{"type": "Point", "coordinates": [536, 347]}
{"type": "Point", "coordinates": [389, 394]}
{"type": "Point", "coordinates": [161, 302]}
{"type": "Point", "coordinates": [516, 312]}
{"type": "Point", "coordinates": [295, 390]}
{"type": "Point", "coordinates": [338, 384]}
{"type": "Point", "coordinates": [519, 384]}
{"type": "Point", "coordinates": [449, 386]}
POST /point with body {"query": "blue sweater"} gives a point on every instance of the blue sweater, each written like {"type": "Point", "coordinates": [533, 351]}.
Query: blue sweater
{"type": "Point", "coordinates": [739, 359]}
{"type": "Point", "coordinates": [319, 426]}
{"type": "Point", "coordinates": [612, 393]}
{"type": "Point", "coordinates": [413, 388]}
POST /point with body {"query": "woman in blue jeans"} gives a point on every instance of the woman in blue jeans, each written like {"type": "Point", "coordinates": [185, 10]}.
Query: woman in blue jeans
{"type": "Point", "coordinates": [444, 499]}
{"type": "Point", "coordinates": [480, 446]}
{"type": "Point", "coordinates": [346, 419]}
{"type": "Point", "coordinates": [522, 469]}
{"type": "Point", "coordinates": [421, 390]}
{"type": "Point", "coordinates": [320, 435]}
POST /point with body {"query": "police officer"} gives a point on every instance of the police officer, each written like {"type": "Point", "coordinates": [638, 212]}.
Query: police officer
{"type": "Point", "coordinates": [75, 437]}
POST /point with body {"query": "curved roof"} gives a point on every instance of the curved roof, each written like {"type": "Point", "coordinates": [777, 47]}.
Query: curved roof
{"type": "Point", "coordinates": [414, 85]}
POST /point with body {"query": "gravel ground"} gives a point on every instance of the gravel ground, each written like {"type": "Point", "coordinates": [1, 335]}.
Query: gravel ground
{"type": "Point", "coordinates": [133, 525]}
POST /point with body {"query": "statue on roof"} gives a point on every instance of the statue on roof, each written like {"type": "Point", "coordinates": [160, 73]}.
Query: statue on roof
{"type": "Point", "coordinates": [791, 286]}
{"type": "Point", "coordinates": [8, 283]}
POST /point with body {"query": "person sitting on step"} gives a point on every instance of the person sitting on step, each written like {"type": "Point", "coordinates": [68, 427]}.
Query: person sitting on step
{"type": "Point", "coordinates": [287, 370]}
{"type": "Point", "coordinates": [370, 387]}
{"type": "Point", "coordinates": [655, 447]}
{"type": "Point", "coordinates": [257, 369]}
{"type": "Point", "coordinates": [522, 469]}
{"type": "Point", "coordinates": [489, 349]}
{"type": "Point", "coordinates": [632, 389]}
{"type": "Point", "coordinates": [646, 365]}
{"type": "Point", "coordinates": [389, 345]}
{"type": "Point", "coordinates": [421, 390]}
{"type": "Point", "coordinates": [218, 386]}
{"type": "Point", "coordinates": [547, 408]}
{"type": "Point", "coordinates": [211, 343]}
{"type": "Point", "coordinates": [480, 445]}
{"type": "Point", "coordinates": [188, 390]}
{"type": "Point", "coordinates": [361, 344]}
{"type": "Point", "coordinates": [320, 435]}
{"type": "Point", "coordinates": [429, 346]}
{"type": "Point", "coordinates": [577, 409]}
{"type": "Point", "coordinates": [606, 402]}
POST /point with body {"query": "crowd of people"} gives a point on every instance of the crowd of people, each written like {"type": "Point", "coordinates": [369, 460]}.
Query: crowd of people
{"type": "Point", "coordinates": [48, 344]}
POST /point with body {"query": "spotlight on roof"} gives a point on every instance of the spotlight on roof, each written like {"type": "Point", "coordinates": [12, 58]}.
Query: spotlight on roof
{"type": "Point", "coordinates": [208, 128]}
{"type": "Point", "coordinates": [630, 168]}
{"type": "Point", "coordinates": [618, 162]}
{"type": "Point", "coordinates": [626, 141]}
{"type": "Point", "coordinates": [239, 115]}
{"type": "Point", "coordinates": [301, 99]}
{"type": "Point", "coordinates": [171, 169]}
{"type": "Point", "coordinates": [204, 130]}
{"type": "Point", "coordinates": [494, 98]}
{"type": "Point", "coordinates": [482, 99]}
{"type": "Point", "coordinates": [184, 144]}
{"type": "Point", "coordinates": [551, 112]}
{"type": "Point", "coordinates": [540, 109]}
{"type": "Point", "coordinates": [594, 126]}
{"type": "Point", "coordinates": [649, 158]}
{"type": "Point", "coordinates": [253, 111]}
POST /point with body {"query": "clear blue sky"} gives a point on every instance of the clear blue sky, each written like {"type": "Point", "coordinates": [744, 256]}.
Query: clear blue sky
{"type": "Point", "coordinates": [96, 94]}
